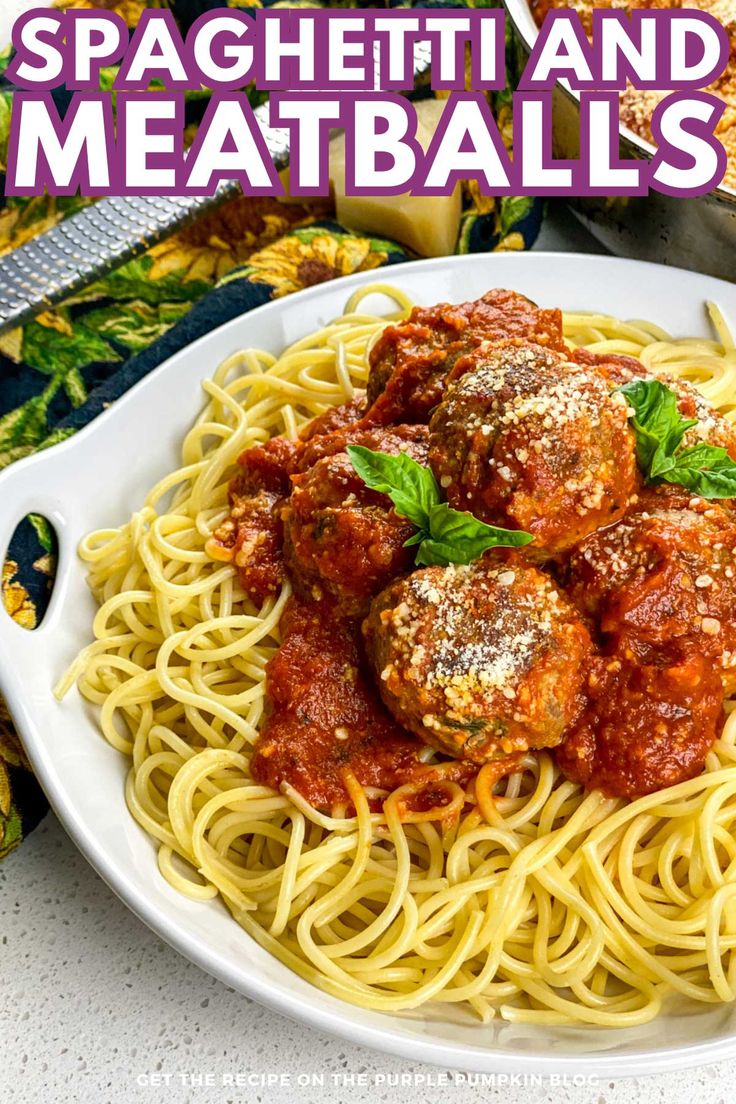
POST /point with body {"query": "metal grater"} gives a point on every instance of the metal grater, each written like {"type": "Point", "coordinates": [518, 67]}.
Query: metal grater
{"type": "Point", "coordinates": [86, 246]}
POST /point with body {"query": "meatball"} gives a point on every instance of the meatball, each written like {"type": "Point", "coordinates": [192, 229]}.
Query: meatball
{"type": "Point", "coordinates": [712, 427]}
{"type": "Point", "coordinates": [251, 538]}
{"type": "Point", "coordinates": [663, 575]}
{"type": "Point", "coordinates": [646, 726]}
{"type": "Point", "coordinates": [252, 535]}
{"type": "Point", "coordinates": [528, 439]}
{"type": "Point", "coordinates": [410, 361]}
{"type": "Point", "coordinates": [265, 467]}
{"type": "Point", "coordinates": [480, 661]}
{"type": "Point", "coordinates": [616, 367]}
{"type": "Point", "coordinates": [343, 541]}
{"type": "Point", "coordinates": [335, 418]}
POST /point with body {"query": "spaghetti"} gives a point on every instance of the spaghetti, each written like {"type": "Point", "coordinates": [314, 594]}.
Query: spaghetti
{"type": "Point", "coordinates": [529, 898]}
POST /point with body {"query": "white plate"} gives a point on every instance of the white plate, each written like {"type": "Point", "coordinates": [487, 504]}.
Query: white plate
{"type": "Point", "coordinates": [96, 478]}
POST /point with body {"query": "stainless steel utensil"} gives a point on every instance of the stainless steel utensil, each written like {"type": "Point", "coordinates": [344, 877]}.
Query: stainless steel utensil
{"type": "Point", "coordinates": [83, 248]}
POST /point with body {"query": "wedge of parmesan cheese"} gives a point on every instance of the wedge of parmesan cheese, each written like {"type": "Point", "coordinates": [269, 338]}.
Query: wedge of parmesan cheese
{"type": "Point", "coordinates": [428, 225]}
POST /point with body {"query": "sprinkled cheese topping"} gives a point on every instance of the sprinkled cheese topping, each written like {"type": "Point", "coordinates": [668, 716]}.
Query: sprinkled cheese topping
{"type": "Point", "coordinates": [479, 660]}
{"type": "Point", "coordinates": [632, 547]}
{"type": "Point", "coordinates": [617, 553]}
{"type": "Point", "coordinates": [531, 388]}
{"type": "Point", "coordinates": [531, 437]}
{"type": "Point", "coordinates": [495, 656]}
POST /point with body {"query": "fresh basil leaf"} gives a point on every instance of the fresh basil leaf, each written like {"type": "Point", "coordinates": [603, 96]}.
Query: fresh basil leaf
{"type": "Point", "coordinates": [705, 469]}
{"type": "Point", "coordinates": [457, 527]}
{"type": "Point", "coordinates": [411, 487]}
{"type": "Point", "coordinates": [433, 553]}
{"type": "Point", "coordinates": [660, 464]}
{"type": "Point", "coordinates": [677, 432]}
{"type": "Point", "coordinates": [458, 537]}
{"type": "Point", "coordinates": [653, 403]}
{"type": "Point", "coordinates": [444, 535]}
{"type": "Point", "coordinates": [653, 413]}
{"type": "Point", "coordinates": [657, 422]}
{"type": "Point", "coordinates": [702, 455]}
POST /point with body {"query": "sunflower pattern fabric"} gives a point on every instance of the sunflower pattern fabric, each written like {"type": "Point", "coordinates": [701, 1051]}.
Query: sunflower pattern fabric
{"type": "Point", "coordinates": [60, 370]}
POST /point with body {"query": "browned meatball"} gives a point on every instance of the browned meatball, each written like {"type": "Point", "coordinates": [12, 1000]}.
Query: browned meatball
{"type": "Point", "coordinates": [410, 361]}
{"type": "Point", "coordinates": [528, 439]}
{"type": "Point", "coordinates": [343, 541]}
{"type": "Point", "coordinates": [712, 427]}
{"type": "Point", "coordinates": [480, 661]}
{"type": "Point", "coordinates": [662, 577]}
{"type": "Point", "coordinates": [335, 418]}
{"type": "Point", "coordinates": [251, 537]}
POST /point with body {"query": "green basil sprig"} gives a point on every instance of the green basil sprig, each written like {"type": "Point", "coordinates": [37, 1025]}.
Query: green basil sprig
{"type": "Point", "coordinates": [443, 535]}
{"type": "Point", "coordinates": [705, 469]}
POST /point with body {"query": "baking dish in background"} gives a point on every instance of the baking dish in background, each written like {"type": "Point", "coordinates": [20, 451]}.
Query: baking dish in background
{"type": "Point", "coordinates": [698, 233]}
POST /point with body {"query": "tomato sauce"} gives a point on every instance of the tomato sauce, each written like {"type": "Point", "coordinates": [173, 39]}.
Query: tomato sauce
{"type": "Point", "coordinates": [343, 541]}
{"type": "Point", "coordinates": [664, 575]}
{"type": "Point", "coordinates": [265, 467]}
{"type": "Point", "coordinates": [328, 718]}
{"type": "Point", "coordinates": [656, 588]}
{"type": "Point", "coordinates": [336, 417]}
{"type": "Point", "coordinates": [660, 590]}
{"type": "Point", "coordinates": [252, 536]}
{"type": "Point", "coordinates": [410, 362]}
{"type": "Point", "coordinates": [646, 726]}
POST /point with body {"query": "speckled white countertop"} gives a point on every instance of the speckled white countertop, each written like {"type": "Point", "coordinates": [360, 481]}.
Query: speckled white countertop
{"type": "Point", "coordinates": [95, 1009]}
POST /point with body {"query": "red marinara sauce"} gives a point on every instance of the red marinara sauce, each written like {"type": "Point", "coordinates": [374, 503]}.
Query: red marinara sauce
{"type": "Point", "coordinates": [660, 589]}
{"type": "Point", "coordinates": [343, 541]}
{"type": "Point", "coordinates": [252, 536]}
{"type": "Point", "coordinates": [646, 726]}
{"type": "Point", "coordinates": [327, 717]}
{"type": "Point", "coordinates": [664, 576]}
